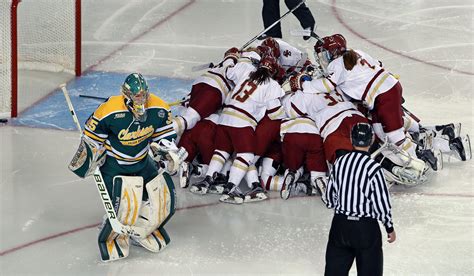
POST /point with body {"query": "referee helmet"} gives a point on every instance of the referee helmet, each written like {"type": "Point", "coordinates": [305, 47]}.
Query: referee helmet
{"type": "Point", "coordinates": [361, 135]}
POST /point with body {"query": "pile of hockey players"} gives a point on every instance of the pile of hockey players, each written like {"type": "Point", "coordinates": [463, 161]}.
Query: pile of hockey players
{"type": "Point", "coordinates": [269, 117]}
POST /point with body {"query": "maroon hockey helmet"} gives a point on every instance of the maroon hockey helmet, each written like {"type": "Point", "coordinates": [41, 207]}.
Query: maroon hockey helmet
{"type": "Point", "coordinates": [270, 63]}
{"type": "Point", "coordinates": [335, 45]}
{"type": "Point", "coordinates": [271, 43]}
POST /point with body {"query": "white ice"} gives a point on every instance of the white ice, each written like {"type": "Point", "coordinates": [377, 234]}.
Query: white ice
{"type": "Point", "coordinates": [40, 198]}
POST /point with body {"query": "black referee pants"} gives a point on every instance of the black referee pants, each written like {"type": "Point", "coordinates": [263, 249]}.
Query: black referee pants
{"type": "Point", "coordinates": [271, 13]}
{"type": "Point", "coordinates": [348, 239]}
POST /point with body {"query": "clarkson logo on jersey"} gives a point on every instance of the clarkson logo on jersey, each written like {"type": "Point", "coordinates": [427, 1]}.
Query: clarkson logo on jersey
{"type": "Point", "coordinates": [134, 138]}
{"type": "Point", "coordinates": [119, 116]}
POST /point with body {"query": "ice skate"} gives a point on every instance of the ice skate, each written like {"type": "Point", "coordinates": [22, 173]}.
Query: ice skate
{"type": "Point", "coordinates": [232, 194]}
{"type": "Point", "coordinates": [202, 187]}
{"type": "Point", "coordinates": [288, 184]}
{"type": "Point", "coordinates": [184, 174]}
{"type": "Point", "coordinates": [461, 146]}
{"type": "Point", "coordinates": [218, 185]}
{"type": "Point", "coordinates": [256, 193]}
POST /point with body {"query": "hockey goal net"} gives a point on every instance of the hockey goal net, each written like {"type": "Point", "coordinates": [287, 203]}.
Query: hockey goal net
{"type": "Point", "coordinates": [42, 35]}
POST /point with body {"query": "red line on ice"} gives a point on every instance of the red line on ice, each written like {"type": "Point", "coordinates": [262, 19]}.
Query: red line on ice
{"type": "Point", "coordinates": [22, 246]}
{"type": "Point", "coordinates": [339, 18]}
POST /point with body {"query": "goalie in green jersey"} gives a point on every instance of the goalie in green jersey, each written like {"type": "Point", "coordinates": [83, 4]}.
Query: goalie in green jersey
{"type": "Point", "coordinates": [118, 137]}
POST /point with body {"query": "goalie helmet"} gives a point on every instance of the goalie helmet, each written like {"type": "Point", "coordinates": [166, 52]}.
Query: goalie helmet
{"type": "Point", "coordinates": [273, 45]}
{"type": "Point", "coordinates": [362, 135]}
{"type": "Point", "coordinates": [331, 47]}
{"type": "Point", "coordinates": [135, 90]}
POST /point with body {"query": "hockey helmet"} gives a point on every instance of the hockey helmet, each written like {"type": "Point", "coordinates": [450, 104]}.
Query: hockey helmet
{"type": "Point", "coordinates": [362, 135]}
{"type": "Point", "coordinates": [135, 90]}
{"type": "Point", "coordinates": [269, 63]}
{"type": "Point", "coordinates": [331, 46]}
{"type": "Point", "coordinates": [271, 43]}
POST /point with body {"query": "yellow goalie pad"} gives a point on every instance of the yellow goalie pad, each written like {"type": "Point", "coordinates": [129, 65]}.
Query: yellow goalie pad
{"type": "Point", "coordinates": [127, 197]}
{"type": "Point", "coordinates": [155, 211]}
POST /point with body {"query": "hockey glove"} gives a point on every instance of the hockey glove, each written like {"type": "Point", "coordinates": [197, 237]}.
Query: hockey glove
{"type": "Point", "coordinates": [174, 156]}
{"type": "Point", "coordinates": [232, 53]}
{"type": "Point", "coordinates": [296, 81]}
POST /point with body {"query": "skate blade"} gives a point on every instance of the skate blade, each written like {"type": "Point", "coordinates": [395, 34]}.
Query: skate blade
{"type": "Point", "coordinates": [258, 197]}
{"type": "Point", "coordinates": [218, 190]}
{"type": "Point", "coordinates": [198, 191]}
{"type": "Point", "coordinates": [467, 147]}
{"type": "Point", "coordinates": [285, 194]}
{"type": "Point", "coordinates": [231, 200]}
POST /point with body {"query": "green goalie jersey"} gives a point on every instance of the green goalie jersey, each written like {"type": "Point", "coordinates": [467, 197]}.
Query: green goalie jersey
{"type": "Point", "coordinates": [125, 139]}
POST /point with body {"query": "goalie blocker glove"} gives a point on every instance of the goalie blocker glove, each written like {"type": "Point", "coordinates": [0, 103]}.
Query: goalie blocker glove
{"type": "Point", "coordinates": [87, 157]}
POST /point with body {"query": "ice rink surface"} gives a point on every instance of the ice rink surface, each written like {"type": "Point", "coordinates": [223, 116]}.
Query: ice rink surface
{"type": "Point", "coordinates": [50, 217]}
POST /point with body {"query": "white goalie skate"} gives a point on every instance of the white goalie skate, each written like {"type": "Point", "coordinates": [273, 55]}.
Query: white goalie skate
{"type": "Point", "coordinates": [407, 170]}
{"type": "Point", "coordinates": [461, 146]}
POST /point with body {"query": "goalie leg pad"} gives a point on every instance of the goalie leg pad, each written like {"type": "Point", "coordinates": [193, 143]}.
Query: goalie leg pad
{"type": "Point", "coordinates": [127, 193]}
{"type": "Point", "coordinates": [156, 212]}
{"type": "Point", "coordinates": [112, 246]}
{"type": "Point", "coordinates": [155, 242]}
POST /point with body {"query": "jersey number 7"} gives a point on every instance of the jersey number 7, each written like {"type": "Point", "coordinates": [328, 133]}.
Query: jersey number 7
{"type": "Point", "coordinates": [246, 89]}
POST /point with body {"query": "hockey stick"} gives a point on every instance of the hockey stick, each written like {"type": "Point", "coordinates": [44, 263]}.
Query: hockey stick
{"type": "Point", "coordinates": [117, 226]}
{"type": "Point", "coordinates": [92, 97]}
{"type": "Point", "coordinates": [211, 64]}
{"type": "Point", "coordinates": [178, 102]}
{"type": "Point", "coordinates": [411, 114]}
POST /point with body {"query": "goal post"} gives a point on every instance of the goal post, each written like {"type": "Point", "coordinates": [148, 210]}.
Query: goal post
{"type": "Point", "coordinates": [40, 35]}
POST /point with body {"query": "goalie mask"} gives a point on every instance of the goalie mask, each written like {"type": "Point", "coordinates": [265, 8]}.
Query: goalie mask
{"type": "Point", "coordinates": [135, 90]}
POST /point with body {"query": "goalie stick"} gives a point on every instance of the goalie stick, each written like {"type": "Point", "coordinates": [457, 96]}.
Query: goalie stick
{"type": "Point", "coordinates": [211, 64]}
{"type": "Point", "coordinates": [117, 226]}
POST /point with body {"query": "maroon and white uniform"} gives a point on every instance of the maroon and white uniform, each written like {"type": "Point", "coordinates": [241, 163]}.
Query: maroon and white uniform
{"type": "Point", "coordinates": [200, 139]}
{"type": "Point", "coordinates": [290, 56]}
{"type": "Point", "coordinates": [333, 116]}
{"type": "Point", "coordinates": [302, 145]}
{"type": "Point", "coordinates": [207, 95]}
{"type": "Point", "coordinates": [249, 102]}
{"type": "Point", "coordinates": [369, 83]}
{"type": "Point", "coordinates": [243, 109]}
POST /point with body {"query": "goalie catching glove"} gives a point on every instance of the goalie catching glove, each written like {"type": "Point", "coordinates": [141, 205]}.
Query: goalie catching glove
{"type": "Point", "coordinates": [170, 151]}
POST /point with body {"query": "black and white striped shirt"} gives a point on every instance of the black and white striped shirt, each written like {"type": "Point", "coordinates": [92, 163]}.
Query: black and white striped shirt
{"type": "Point", "coordinates": [357, 188]}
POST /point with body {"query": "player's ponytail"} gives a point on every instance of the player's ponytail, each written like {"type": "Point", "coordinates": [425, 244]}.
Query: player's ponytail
{"type": "Point", "coordinates": [260, 76]}
{"type": "Point", "coordinates": [350, 58]}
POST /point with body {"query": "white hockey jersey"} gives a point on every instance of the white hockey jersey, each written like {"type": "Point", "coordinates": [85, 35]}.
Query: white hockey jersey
{"type": "Point", "coordinates": [289, 56]}
{"type": "Point", "coordinates": [326, 109]}
{"type": "Point", "coordinates": [298, 125]}
{"type": "Point", "coordinates": [364, 82]}
{"type": "Point", "coordinates": [216, 78]}
{"type": "Point", "coordinates": [248, 102]}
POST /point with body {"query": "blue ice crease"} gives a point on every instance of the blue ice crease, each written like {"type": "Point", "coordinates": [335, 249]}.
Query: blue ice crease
{"type": "Point", "coordinates": [52, 111]}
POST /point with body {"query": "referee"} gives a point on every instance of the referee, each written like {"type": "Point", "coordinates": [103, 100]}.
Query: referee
{"type": "Point", "coordinates": [358, 193]}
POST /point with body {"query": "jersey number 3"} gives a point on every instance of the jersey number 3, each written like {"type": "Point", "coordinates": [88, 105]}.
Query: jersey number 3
{"type": "Point", "coordinates": [246, 89]}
